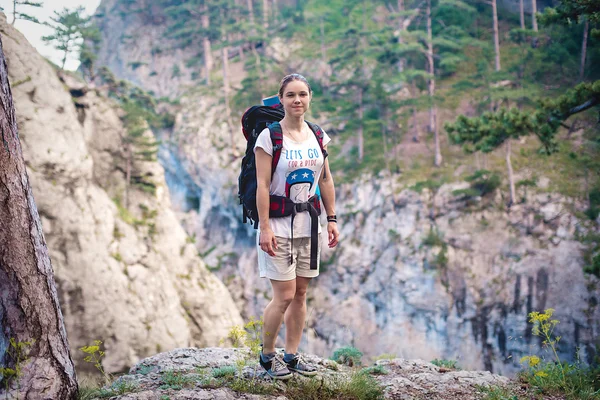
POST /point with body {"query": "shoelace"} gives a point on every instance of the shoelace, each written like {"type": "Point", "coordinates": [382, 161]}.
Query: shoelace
{"type": "Point", "coordinates": [277, 363]}
{"type": "Point", "coordinates": [301, 364]}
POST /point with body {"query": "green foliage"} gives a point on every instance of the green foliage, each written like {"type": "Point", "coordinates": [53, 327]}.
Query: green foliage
{"type": "Point", "coordinates": [497, 393]}
{"type": "Point", "coordinates": [573, 380]}
{"type": "Point", "coordinates": [17, 355]}
{"type": "Point", "coordinates": [591, 255]}
{"type": "Point", "coordinates": [223, 372]}
{"type": "Point", "coordinates": [432, 185]}
{"type": "Point", "coordinates": [177, 380]}
{"type": "Point", "coordinates": [451, 364]}
{"type": "Point", "coordinates": [359, 386]}
{"type": "Point", "coordinates": [594, 204]}
{"type": "Point", "coordinates": [571, 11]}
{"type": "Point", "coordinates": [18, 14]}
{"type": "Point", "coordinates": [349, 356]}
{"type": "Point", "coordinates": [433, 238]}
{"type": "Point", "coordinates": [94, 356]}
{"type": "Point", "coordinates": [117, 388]}
{"type": "Point", "coordinates": [482, 183]}
{"type": "Point", "coordinates": [71, 27]}
{"type": "Point", "coordinates": [375, 370]}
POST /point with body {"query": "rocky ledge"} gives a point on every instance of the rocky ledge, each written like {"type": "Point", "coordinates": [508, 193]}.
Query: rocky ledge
{"type": "Point", "coordinates": [217, 373]}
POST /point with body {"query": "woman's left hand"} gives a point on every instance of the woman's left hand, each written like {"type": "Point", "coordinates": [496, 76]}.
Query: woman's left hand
{"type": "Point", "coordinates": [333, 234]}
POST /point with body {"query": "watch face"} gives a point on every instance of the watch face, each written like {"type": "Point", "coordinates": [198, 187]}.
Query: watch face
{"type": "Point", "coordinates": [298, 184]}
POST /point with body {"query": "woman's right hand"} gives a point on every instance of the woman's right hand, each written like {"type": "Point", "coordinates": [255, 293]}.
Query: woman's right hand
{"type": "Point", "coordinates": [268, 241]}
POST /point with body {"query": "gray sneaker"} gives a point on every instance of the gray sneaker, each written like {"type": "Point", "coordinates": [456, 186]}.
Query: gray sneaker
{"type": "Point", "coordinates": [275, 367]}
{"type": "Point", "coordinates": [299, 366]}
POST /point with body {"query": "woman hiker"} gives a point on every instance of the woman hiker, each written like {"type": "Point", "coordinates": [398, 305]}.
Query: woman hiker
{"type": "Point", "coordinates": [289, 247]}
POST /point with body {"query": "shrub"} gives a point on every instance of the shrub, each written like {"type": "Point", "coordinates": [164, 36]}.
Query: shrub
{"type": "Point", "coordinates": [349, 356]}
{"type": "Point", "coordinates": [452, 364]}
{"type": "Point", "coordinates": [482, 183]}
{"type": "Point", "coordinates": [223, 372]}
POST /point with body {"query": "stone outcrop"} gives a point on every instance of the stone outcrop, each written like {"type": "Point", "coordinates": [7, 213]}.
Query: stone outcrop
{"type": "Point", "coordinates": [129, 276]}
{"type": "Point", "coordinates": [399, 378]}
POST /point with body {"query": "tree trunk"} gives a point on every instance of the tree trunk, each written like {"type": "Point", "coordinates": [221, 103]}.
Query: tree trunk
{"type": "Point", "coordinates": [266, 14]}
{"type": "Point", "coordinates": [401, 28]}
{"type": "Point", "coordinates": [511, 179]}
{"type": "Point", "coordinates": [225, 52]}
{"type": "Point", "coordinates": [522, 13]}
{"type": "Point", "coordinates": [416, 135]}
{"type": "Point", "coordinates": [533, 13]}
{"type": "Point", "coordinates": [29, 307]}
{"type": "Point", "coordinates": [258, 68]}
{"type": "Point", "coordinates": [251, 13]}
{"type": "Point", "coordinates": [275, 10]}
{"type": "Point", "coordinates": [431, 82]}
{"type": "Point", "coordinates": [64, 59]}
{"type": "Point", "coordinates": [436, 137]}
{"type": "Point", "coordinates": [208, 59]}
{"type": "Point", "coordinates": [496, 35]}
{"type": "Point", "coordinates": [323, 50]}
{"type": "Point", "coordinates": [361, 149]}
{"type": "Point", "coordinates": [128, 162]}
{"type": "Point", "coordinates": [583, 50]}
{"type": "Point", "coordinates": [432, 108]}
{"type": "Point", "coordinates": [14, 12]}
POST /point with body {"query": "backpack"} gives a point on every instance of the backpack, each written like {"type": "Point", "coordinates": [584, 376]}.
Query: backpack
{"type": "Point", "coordinates": [254, 121]}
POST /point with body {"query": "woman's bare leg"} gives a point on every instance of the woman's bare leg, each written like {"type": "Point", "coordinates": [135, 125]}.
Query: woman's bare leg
{"type": "Point", "coordinates": [295, 316]}
{"type": "Point", "coordinates": [283, 295]}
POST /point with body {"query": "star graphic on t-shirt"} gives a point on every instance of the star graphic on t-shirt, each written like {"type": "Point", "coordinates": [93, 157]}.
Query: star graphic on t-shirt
{"type": "Point", "coordinates": [305, 175]}
{"type": "Point", "coordinates": [294, 176]}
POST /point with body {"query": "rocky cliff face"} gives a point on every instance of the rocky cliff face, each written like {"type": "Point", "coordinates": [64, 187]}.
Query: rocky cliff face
{"type": "Point", "coordinates": [416, 275]}
{"type": "Point", "coordinates": [129, 277]}
{"type": "Point", "coordinates": [144, 57]}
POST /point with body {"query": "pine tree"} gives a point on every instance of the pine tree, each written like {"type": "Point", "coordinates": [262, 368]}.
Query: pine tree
{"type": "Point", "coordinates": [30, 308]}
{"type": "Point", "coordinates": [492, 129]}
{"type": "Point", "coordinates": [445, 46]}
{"type": "Point", "coordinates": [17, 14]}
{"type": "Point", "coordinates": [189, 23]}
{"type": "Point", "coordinates": [70, 28]}
{"type": "Point", "coordinates": [89, 50]}
{"type": "Point", "coordinates": [138, 143]}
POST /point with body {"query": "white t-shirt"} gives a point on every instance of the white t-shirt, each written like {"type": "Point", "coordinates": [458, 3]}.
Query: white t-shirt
{"type": "Point", "coordinates": [296, 176]}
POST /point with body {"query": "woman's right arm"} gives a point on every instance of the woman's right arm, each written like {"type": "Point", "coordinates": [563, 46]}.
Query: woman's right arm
{"type": "Point", "coordinates": [267, 239]}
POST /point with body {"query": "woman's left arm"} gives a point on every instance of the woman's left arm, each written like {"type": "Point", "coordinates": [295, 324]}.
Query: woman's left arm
{"type": "Point", "coordinates": [328, 194]}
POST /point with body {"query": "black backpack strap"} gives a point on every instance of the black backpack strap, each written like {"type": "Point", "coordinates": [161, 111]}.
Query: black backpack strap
{"type": "Point", "coordinates": [277, 140]}
{"type": "Point", "coordinates": [320, 136]}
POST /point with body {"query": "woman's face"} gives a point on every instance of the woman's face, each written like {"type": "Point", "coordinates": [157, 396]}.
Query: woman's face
{"type": "Point", "coordinates": [296, 98]}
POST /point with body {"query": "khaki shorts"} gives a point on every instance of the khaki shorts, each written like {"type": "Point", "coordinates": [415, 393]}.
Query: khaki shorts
{"type": "Point", "coordinates": [281, 267]}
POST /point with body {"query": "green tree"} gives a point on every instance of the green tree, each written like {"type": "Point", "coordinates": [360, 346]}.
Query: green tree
{"type": "Point", "coordinates": [183, 26]}
{"type": "Point", "coordinates": [139, 143]}
{"type": "Point", "coordinates": [89, 50]}
{"type": "Point", "coordinates": [444, 43]}
{"type": "Point", "coordinates": [18, 14]}
{"type": "Point", "coordinates": [569, 12]}
{"type": "Point", "coordinates": [70, 28]}
{"type": "Point", "coordinates": [492, 129]}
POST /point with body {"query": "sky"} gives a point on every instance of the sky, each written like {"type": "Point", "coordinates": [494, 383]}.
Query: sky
{"type": "Point", "coordinates": [34, 32]}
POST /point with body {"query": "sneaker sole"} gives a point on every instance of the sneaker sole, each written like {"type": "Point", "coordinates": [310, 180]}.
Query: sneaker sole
{"type": "Point", "coordinates": [305, 373]}
{"type": "Point", "coordinates": [280, 377]}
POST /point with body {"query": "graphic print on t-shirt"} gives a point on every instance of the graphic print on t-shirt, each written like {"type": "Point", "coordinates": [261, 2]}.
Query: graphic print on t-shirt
{"type": "Point", "coordinates": [298, 184]}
